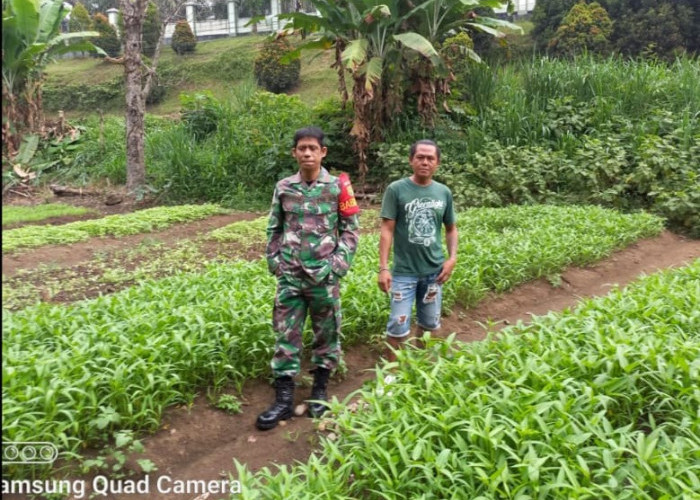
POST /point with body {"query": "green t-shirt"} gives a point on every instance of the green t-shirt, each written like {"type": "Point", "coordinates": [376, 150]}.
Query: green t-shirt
{"type": "Point", "coordinates": [419, 212]}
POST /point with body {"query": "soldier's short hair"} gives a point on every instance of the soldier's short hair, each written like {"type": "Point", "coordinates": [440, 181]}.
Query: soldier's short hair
{"type": "Point", "coordinates": [313, 132]}
{"type": "Point", "coordinates": [425, 142]}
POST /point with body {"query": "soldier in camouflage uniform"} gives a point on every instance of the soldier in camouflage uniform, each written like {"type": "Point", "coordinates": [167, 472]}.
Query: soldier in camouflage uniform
{"type": "Point", "coordinates": [311, 243]}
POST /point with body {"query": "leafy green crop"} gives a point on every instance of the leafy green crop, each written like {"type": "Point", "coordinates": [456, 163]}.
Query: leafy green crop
{"type": "Point", "coordinates": [247, 233]}
{"type": "Point", "coordinates": [601, 402]}
{"type": "Point", "coordinates": [75, 374]}
{"type": "Point", "coordinates": [142, 221]}
{"type": "Point", "coordinates": [15, 214]}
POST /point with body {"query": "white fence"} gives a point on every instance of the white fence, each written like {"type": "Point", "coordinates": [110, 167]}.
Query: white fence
{"type": "Point", "coordinates": [522, 7]}
{"type": "Point", "coordinates": [233, 26]}
{"type": "Point", "coordinates": [219, 28]}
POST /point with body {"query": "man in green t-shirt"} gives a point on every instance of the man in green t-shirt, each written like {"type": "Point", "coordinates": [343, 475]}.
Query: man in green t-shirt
{"type": "Point", "coordinates": [414, 210]}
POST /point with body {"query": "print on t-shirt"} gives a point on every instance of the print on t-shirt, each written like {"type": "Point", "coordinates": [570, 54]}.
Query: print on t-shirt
{"type": "Point", "coordinates": [422, 222]}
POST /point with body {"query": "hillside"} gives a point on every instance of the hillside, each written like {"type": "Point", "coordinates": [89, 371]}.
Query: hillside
{"type": "Point", "coordinates": [81, 86]}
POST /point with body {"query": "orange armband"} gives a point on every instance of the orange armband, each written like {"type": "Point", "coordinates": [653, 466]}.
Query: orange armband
{"type": "Point", "coordinates": [347, 204]}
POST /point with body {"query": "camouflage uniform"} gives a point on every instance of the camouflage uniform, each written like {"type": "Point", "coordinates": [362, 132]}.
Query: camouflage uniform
{"type": "Point", "coordinates": [310, 246]}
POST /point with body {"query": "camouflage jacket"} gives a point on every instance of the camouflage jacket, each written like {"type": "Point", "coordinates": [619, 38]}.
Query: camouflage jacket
{"type": "Point", "coordinates": [307, 238]}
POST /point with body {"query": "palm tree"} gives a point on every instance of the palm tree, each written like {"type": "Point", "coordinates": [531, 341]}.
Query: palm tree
{"type": "Point", "coordinates": [31, 38]}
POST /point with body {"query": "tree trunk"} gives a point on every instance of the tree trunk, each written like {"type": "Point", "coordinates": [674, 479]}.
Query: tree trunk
{"type": "Point", "coordinates": [134, 12]}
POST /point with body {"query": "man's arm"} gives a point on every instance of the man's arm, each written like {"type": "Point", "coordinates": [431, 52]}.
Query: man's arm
{"type": "Point", "coordinates": [275, 231]}
{"type": "Point", "coordinates": [386, 237]}
{"type": "Point", "coordinates": [348, 236]}
{"type": "Point", "coordinates": [452, 240]}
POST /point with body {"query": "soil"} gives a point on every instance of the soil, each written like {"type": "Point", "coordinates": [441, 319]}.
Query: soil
{"type": "Point", "coordinates": [200, 442]}
{"type": "Point", "coordinates": [75, 253]}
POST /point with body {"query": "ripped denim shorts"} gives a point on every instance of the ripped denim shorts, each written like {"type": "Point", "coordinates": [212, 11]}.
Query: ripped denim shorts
{"type": "Point", "coordinates": [427, 295]}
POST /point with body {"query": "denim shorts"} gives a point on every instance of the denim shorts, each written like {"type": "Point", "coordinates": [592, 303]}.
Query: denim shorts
{"type": "Point", "coordinates": [425, 292]}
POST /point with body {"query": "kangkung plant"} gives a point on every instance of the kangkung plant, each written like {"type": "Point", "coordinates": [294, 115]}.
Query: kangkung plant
{"type": "Point", "coordinates": [73, 374]}
{"type": "Point", "coordinates": [599, 402]}
{"type": "Point", "coordinates": [142, 221]}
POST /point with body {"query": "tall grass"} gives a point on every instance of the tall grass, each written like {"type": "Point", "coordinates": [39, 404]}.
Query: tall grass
{"type": "Point", "coordinates": [613, 87]}
{"type": "Point", "coordinates": [238, 162]}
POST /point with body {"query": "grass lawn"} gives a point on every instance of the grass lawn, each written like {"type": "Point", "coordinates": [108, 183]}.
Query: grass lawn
{"type": "Point", "coordinates": [198, 72]}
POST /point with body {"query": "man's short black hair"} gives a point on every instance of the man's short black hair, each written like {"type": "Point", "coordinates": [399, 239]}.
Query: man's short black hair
{"type": "Point", "coordinates": [424, 142]}
{"type": "Point", "coordinates": [314, 132]}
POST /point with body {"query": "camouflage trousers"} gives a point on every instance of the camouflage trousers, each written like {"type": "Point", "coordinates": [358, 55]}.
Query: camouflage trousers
{"type": "Point", "coordinates": [292, 302]}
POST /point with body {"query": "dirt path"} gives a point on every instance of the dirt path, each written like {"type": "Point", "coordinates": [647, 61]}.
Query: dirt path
{"type": "Point", "coordinates": [200, 443]}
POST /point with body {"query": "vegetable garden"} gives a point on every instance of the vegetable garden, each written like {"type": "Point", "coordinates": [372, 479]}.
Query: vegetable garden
{"type": "Point", "coordinates": [131, 342]}
{"type": "Point", "coordinates": [89, 374]}
{"type": "Point", "coordinates": [600, 402]}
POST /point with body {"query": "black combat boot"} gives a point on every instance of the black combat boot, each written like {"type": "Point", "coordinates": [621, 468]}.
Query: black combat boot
{"type": "Point", "coordinates": [282, 408]}
{"type": "Point", "coordinates": [318, 392]}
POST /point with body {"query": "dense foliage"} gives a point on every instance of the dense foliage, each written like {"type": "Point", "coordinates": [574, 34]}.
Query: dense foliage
{"type": "Point", "coordinates": [183, 40]}
{"type": "Point", "coordinates": [622, 134]}
{"type": "Point", "coordinates": [271, 72]}
{"type": "Point", "coordinates": [79, 18]}
{"type": "Point", "coordinates": [108, 39]}
{"type": "Point", "coordinates": [76, 374]}
{"type": "Point", "coordinates": [151, 30]}
{"type": "Point", "coordinates": [599, 402]}
{"type": "Point", "coordinates": [232, 151]}
{"type": "Point", "coordinates": [663, 28]}
{"type": "Point", "coordinates": [616, 132]}
{"type": "Point", "coordinates": [387, 51]}
{"type": "Point", "coordinates": [586, 28]}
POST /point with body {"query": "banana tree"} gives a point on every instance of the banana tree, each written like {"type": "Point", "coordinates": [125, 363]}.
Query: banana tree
{"type": "Point", "coordinates": [377, 42]}
{"type": "Point", "coordinates": [369, 38]}
{"type": "Point", "coordinates": [438, 19]}
{"type": "Point", "coordinates": [31, 38]}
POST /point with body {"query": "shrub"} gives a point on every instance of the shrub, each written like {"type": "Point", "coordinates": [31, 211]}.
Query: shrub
{"type": "Point", "coordinates": [271, 73]}
{"type": "Point", "coordinates": [587, 27]}
{"type": "Point", "coordinates": [232, 65]}
{"type": "Point", "coordinates": [336, 123]}
{"type": "Point", "coordinates": [84, 96]}
{"type": "Point", "coordinates": [151, 30]}
{"type": "Point", "coordinates": [661, 30]}
{"type": "Point", "coordinates": [547, 16]}
{"type": "Point", "coordinates": [157, 91]}
{"type": "Point", "coordinates": [240, 150]}
{"type": "Point", "coordinates": [92, 96]}
{"type": "Point", "coordinates": [79, 19]}
{"type": "Point", "coordinates": [108, 39]}
{"type": "Point", "coordinates": [200, 113]}
{"type": "Point", "coordinates": [184, 40]}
